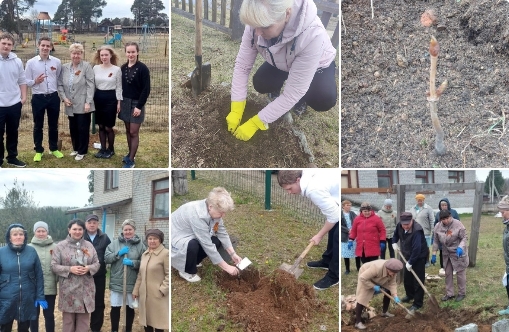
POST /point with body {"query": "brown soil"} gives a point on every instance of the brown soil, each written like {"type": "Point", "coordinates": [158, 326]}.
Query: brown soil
{"type": "Point", "coordinates": [385, 117]}
{"type": "Point", "coordinates": [277, 302]}
{"type": "Point", "coordinates": [199, 136]}
{"type": "Point", "coordinates": [447, 320]}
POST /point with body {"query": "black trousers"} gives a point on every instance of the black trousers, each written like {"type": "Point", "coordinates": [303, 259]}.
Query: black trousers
{"type": "Point", "coordinates": [331, 254]}
{"type": "Point", "coordinates": [49, 316]}
{"type": "Point", "coordinates": [22, 326]}
{"type": "Point", "coordinates": [321, 96]}
{"type": "Point", "coordinates": [412, 287]}
{"type": "Point", "coordinates": [79, 125]}
{"type": "Point", "coordinates": [388, 245]}
{"type": "Point", "coordinates": [9, 124]}
{"type": "Point", "coordinates": [40, 104]}
{"type": "Point", "coordinates": [115, 318]}
{"type": "Point", "coordinates": [195, 254]}
{"type": "Point", "coordinates": [97, 316]}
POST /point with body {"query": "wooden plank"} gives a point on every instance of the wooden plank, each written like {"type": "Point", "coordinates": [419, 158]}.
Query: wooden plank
{"type": "Point", "coordinates": [440, 187]}
{"type": "Point", "coordinates": [208, 23]}
{"type": "Point", "coordinates": [191, 6]}
{"type": "Point", "coordinates": [325, 18]}
{"type": "Point", "coordinates": [327, 6]}
{"type": "Point", "coordinates": [364, 190]}
{"type": "Point", "coordinates": [214, 10]}
{"type": "Point", "coordinates": [235, 23]}
{"type": "Point", "coordinates": [476, 223]}
{"type": "Point", "coordinates": [223, 13]}
{"type": "Point", "coordinates": [206, 9]}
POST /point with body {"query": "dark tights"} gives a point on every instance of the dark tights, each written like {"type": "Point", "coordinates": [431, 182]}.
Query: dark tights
{"type": "Point", "coordinates": [151, 329]}
{"type": "Point", "coordinates": [357, 263]}
{"type": "Point", "coordinates": [133, 139]}
{"type": "Point", "coordinates": [115, 318]}
{"type": "Point", "coordinates": [107, 133]}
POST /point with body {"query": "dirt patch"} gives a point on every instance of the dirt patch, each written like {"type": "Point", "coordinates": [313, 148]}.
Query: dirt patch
{"type": "Point", "coordinates": [385, 117]}
{"type": "Point", "coordinates": [277, 302]}
{"type": "Point", "coordinates": [199, 135]}
{"type": "Point", "coordinates": [445, 321]}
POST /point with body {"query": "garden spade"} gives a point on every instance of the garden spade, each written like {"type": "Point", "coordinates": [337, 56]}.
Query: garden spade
{"type": "Point", "coordinates": [294, 269]}
{"type": "Point", "coordinates": [200, 78]}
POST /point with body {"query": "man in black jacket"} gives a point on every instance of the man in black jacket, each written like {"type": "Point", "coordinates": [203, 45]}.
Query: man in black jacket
{"type": "Point", "coordinates": [100, 241]}
{"type": "Point", "coordinates": [414, 248]}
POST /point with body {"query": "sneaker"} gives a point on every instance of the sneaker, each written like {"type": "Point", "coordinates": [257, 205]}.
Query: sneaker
{"type": "Point", "coordinates": [504, 312]}
{"type": "Point", "coordinates": [386, 314]}
{"type": "Point", "coordinates": [57, 154]}
{"type": "Point", "coordinates": [38, 156]}
{"type": "Point", "coordinates": [413, 308]}
{"type": "Point", "coordinates": [407, 299]}
{"type": "Point", "coordinates": [129, 164]}
{"type": "Point", "coordinates": [16, 162]}
{"type": "Point", "coordinates": [427, 265]}
{"type": "Point", "coordinates": [108, 154]}
{"type": "Point", "coordinates": [79, 157]}
{"type": "Point", "coordinates": [190, 277]}
{"type": "Point", "coordinates": [347, 272]}
{"type": "Point", "coordinates": [100, 154]}
{"type": "Point", "coordinates": [126, 158]}
{"type": "Point", "coordinates": [441, 272]}
{"type": "Point", "coordinates": [73, 153]}
{"type": "Point", "coordinates": [447, 297]}
{"type": "Point", "coordinates": [318, 265]}
{"type": "Point", "coordinates": [199, 265]}
{"type": "Point", "coordinates": [324, 283]}
{"type": "Point", "coordinates": [454, 272]}
{"type": "Point", "coordinates": [360, 326]}
{"type": "Point", "coordinates": [460, 298]}
{"type": "Point", "coordinates": [300, 108]}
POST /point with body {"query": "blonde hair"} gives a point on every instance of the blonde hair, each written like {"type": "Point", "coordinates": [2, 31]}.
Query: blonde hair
{"type": "Point", "coordinates": [97, 55]}
{"type": "Point", "coordinates": [16, 229]}
{"type": "Point", "coordinates": [76, 48]}
{"type": "Point", "coordinates": [220, 199]}
{"type": "Point", "coordinates": [263, 13]}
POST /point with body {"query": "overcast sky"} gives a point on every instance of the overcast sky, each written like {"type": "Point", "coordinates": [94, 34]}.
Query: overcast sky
{"type": "Point", "coordinates": [482, 174]}
{"type": "Point", "coordinates": [114, 8]}
{"type": "Point", "coordinates": [58, 187]}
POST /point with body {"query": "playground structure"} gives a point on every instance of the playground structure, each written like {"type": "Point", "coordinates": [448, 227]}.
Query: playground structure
{"type": "Point", "coordinates": [116, 39]}
{"type": "Point", "coordinates": [63, 38]}
{"type": "Point", "coordinates": [148, 40]}
{"type": "Point", "coordinates": [43, 28]}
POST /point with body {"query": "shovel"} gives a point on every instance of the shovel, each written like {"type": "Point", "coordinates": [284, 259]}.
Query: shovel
{"type": "Point", "coordinates": [433, 303]}
{"type": "Point", "coordinates": [293, 269]}
{"type": "Point", "coordinates": [124, 300]}
{"type": "Point", "coordinates": [200, 77]}
{"type": "Point", "coordinates": [409, 315]}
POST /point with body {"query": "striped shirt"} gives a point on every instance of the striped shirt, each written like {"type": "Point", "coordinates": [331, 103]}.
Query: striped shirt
{"type": "Point", "coordinates": [50, 67]}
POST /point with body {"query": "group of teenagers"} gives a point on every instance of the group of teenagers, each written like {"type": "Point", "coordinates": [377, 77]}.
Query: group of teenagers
{"type": "Point", "coordinates": [365, 237]}
{"type": "Point", "coordinates": [33, 274]}
{"type": "Point", "coordinates": [105, 88]}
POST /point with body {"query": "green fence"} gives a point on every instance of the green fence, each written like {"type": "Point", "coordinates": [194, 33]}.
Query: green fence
{"type": "Point", "coordinates": [262, 187]}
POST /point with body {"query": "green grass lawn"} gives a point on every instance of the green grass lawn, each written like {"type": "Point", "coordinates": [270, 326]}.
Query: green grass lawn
{"type": "Point", "coordinates": [268, 239]}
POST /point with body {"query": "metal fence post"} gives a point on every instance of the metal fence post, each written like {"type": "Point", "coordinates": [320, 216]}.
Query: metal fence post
{"type": "Point", "coordinates": [268, 186]}
{"type": "Point", "coordinates": [193, 175]}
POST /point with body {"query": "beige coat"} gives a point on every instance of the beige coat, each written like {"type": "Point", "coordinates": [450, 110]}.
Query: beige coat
{"type": "Point", "coordinates": [152, 288]}
{"type": "Point", "coordinates": [451, 237]}
{"type": "Point", "coordinates": [371, 274]}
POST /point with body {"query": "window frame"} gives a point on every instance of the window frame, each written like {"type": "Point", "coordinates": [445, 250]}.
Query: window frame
{"type": "Point", "coordinates": [109, 180]}
{"type": "Point", "coordinates": [154, 192]}
{"type": "Point", "coordinates": [460, 175]}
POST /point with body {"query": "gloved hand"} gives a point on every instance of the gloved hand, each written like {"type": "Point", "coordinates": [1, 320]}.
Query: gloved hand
{"type": "Point", "coordinates": [459, 252]}
{"type": "Point", "coordinates": [433, 259]}
{"type": "Point", "coordinates": [249, 128]}
{"type": "Point", "coordinates": [43, 304]}
{"type": "Point", "coordinates": [377, 289]}
{"type": "Point", "coordinates": [396, 299]}
{"type": "Point", "coordinates": [395, 246]}
{"type": "Point", "coordinates": [408, 266]}
{"type": "Point", "coordinates": [350, 245]}
{"type": "Point", "coordinates": [123, 251]}
{"type": "Point", "coordinates": [235, 115]}
{"type": "Point", "coordinates": [127, 261]}
{"type": "Point", "coordinates": [382, 246]}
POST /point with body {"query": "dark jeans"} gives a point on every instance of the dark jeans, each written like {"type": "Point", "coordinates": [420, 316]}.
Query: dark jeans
{"type": "Point", "coordinates": [22, 326]}
{"type": "Point", "coordinates": [331, 254]}
{"type": "Point", "coordinates": [322, 93]}
{"type": "Point", "coordinates": [97, 316]}
{"type": "Point", "coordinates": [9, 124]}
{"type": "Point", "coordinates": [49, 316]}
{"type": "Point", "coordinates": [79, 125]}
{"type": "Point", "coordinates": [412, 287]}
{"type": "Point", "coordinates": [388, 244]}
{"type": "Point", "coordinates": [195, 254]}
{"type": "Point", "coordinates": [115, 318]}
{"type": "Point", "coordinates": [40, 104]}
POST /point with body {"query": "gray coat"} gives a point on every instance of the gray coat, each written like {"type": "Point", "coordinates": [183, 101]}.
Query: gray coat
{"type": "Point", "coordinates": [425, 217]}
{"type": "Point", "coordinates": [82, 91]}
{"type": "Point", "coordinates": [44, 249]}
{"type": "Point", "coordinates": [505, 245]}
{"type": "Point", "coordinates": [136, 249]}
{"type": "Point", "coordinates": [192, 221]}
{"type": "Point", "coordinates": [389, 219]}
{"type": "Point", "coordinates": [451, 237]}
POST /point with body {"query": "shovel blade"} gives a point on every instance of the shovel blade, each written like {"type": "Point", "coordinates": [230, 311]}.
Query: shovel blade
{"type": "Point", "coordinates": [290, 269]}
{"type": "Point", "coordinates": [206, 70]}
{"type": "Point", "coordinates": [196, 80]}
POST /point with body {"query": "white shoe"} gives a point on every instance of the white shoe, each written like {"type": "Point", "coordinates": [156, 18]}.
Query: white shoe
{"type": "Point", "coordinates": [454, 272]}
{"type": "Point", "coordinates": [73, 153]}
{"type": "Point", "coordinates": [441, 272]}
{"type": "Point", "coordinates": [79, 157]}
{"type": "Point", "coordinates": [190, 277]}
{"type": "Point", "coordinates": [199, 265]}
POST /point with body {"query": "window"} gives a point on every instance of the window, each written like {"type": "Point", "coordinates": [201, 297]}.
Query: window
{"type": "Point", "coordinates": [387, 178]}
{"type": "Point", "coordinates": [161, 199]}
{"type": "Point", "coordinates": [456, 177]}
{"type": "Point", "coordinates": [110, 180]}
{"type": "Point", "coordinates": [349, 179]}
{"type": "Point", "coordinates": [424, 177]}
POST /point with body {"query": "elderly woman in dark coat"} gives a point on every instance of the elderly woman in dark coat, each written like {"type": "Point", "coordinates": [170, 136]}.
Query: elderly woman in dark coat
{"type": "Point", "coordinates": [21, 281]}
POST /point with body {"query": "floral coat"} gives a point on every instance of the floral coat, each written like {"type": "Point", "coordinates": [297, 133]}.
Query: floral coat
{"type": "Point", "coordinates": [76, 293]}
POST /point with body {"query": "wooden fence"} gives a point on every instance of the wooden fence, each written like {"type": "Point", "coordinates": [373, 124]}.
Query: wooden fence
{"type": "Point", "coordinates": [229, 21]}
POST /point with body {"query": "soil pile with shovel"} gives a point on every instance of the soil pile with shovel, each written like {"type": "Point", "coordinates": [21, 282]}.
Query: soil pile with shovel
{"type": "Point", "coordinates": [276, 302]}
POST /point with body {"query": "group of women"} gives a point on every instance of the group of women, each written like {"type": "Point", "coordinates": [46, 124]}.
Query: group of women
{"type": "Point", "coordinates": [29, 276]}
{"type": "Point", "coordinates": [107, 90]}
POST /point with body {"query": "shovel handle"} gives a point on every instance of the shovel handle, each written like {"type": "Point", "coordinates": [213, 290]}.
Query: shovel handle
{"type": "Point", "coordinates": [415, 275]}
{"type": "Point", "coordinates": [198, 18]}
{"type": "Point", "coordinates": [402, 306]}
{"type": "Point", "coordinates": [304, 253]}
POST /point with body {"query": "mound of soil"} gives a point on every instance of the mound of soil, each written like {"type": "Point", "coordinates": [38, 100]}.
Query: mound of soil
{"type": "Point", "coordinates": [277, 302]}
{"type": "Point", "coordinates": [200, 138]}
{"type": "Point", "coordinates": [446, 320]}
{"type": "Point", "coordinates": [385, 117]}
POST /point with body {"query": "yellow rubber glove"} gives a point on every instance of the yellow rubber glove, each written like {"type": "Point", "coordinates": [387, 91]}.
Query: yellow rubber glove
{"type": "Point", "coordinates": [249, 128]}
{"type": "Point", "coordinates": [235, 115]}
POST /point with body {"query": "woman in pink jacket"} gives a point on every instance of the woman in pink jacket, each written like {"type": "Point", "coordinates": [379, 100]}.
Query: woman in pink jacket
{"type": "Point", "coordinates": [369, 231]}
{"type": "Point", "coordinates": [296, 47]}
